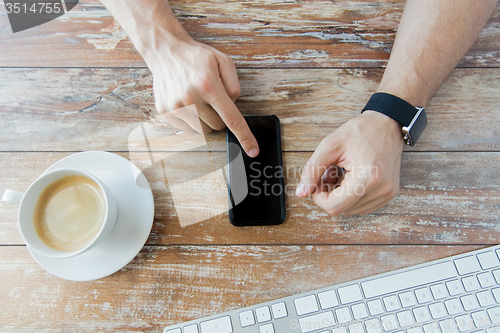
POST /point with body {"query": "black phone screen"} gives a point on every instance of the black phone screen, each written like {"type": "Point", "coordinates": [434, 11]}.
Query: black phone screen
{"type": "Point", "coordinates": [256, 188]}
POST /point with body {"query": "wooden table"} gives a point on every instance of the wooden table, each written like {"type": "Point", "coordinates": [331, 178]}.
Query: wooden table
{"type": "Point", "coordinates": [77, 84]}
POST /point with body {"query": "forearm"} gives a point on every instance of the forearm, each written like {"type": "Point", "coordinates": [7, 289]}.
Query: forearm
{"type": "Point", "coordinates": [432, 38]}
{"type": "Point", "coordinates": [150, 24]}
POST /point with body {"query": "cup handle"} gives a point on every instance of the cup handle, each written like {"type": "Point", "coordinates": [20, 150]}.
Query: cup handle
{"type": "Point", "coordinates": [13, 197]}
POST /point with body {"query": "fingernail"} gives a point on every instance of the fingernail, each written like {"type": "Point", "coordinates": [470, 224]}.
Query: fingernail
{"type": "Point", "coordinates": [301, 189]}
{"type": "Point", "coordinates": [253, 152]}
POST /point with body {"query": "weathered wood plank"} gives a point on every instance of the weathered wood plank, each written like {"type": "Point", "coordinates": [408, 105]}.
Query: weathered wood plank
{"type": "Point", "coordinates": [445, 198]}
{"type": "Point", "coordinates": [312, 33]}
{"type": "Point", "coordinates": [166, 285]}
{"type": "Point", "coordinates": [85, 109]}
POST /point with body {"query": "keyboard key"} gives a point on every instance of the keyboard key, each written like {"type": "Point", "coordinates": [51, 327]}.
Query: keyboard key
{"type": "Point", "coordinates": [373, 326]}
{"type": "Point", "coordinates": [494, 314]}
{"type": "Point", "coordinates": [486, 279]}
{"type": "Point", "coordinates": [357, 327]}
{"type": "Point", "coordinates": [405, 319]}
{"type": "Point", "coordinates": [439, 291]}
{"type": "Point", "coordinates": [316, 322]}
{"type": "Point", "coordinates": [488, 259]}
{"type": "Point", "coordinates": [423, 295]}
{"type": "Point", "coordinates": [471, 283]}
{"type": "Point", "coordinates": [408, 279]}
{"type": "Point", "coordinates": [306, 305]}
{"type": "Point", "coordinates": [340, 329]}
{"type": "Point", "coordinates": [391, 303]}
{"type": "Point", "coordinates": [375, 307]}
{"type": "Point", "coordinates": [455, 287]}
{"type": "Point", "coordinates": [268, 328]}
{"type": "Point", "coordinates": [246, 318]}
{"type": "Point", "coordinates": [359, 311]}
{"type": "Point", "coordinates": [389, 322]}
{"type": "Point", "coordinates": [175, 330]}
{"type": "Point", "coordinates": [437, 310]}
{"type": "Point", "coordinates": [481, 319]}
{"type": "Point", "coordinates": [219, 325]}
{"type": "Point", "coordinates": [414, 330]}
{"type": "Point", "coordinates": [263, 314]}
{"type": "Point", "coordinates": [448, 326]}
{"type": "Point", "coordinates": [328, 299]}
{"type": "Point", "coordinates": [279, 310]}
{"type": "Point", "coordinates": [350, 294]}
{"type": "Point", "coordinates": [485, 298]}
{"type": "Point", "coordinates": [464, 323]}
{"type": "Point", "coordinates": [421, 314]}
{"type": "Point", "coordinates": [467, 265]}
{"type": "Point", "coordinates": [453, 306]}
{"type": "Point", "coordinates": [469, 302]}
{"type": "Point", "coordinates": [343, 315]}
{"type": "Point", "coordinates": [431, 328]}
{"type": "Point", "coordinates": [496, 293]}
{"type": "Point", "coordinates": [191, 329]}
{"type": "Point", "coordinates": [496, 274]}
{"type": "Point", "coordinates": [407, 299]}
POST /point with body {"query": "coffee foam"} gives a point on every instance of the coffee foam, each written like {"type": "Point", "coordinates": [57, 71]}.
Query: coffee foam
{"type": "Point", "coordinates": [70, 213]}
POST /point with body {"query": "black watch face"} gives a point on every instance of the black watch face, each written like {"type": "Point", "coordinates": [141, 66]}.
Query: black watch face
{"type": "Point", "coordinates": [417, 128]}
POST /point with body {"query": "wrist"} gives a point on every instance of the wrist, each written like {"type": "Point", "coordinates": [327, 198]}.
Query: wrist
{"type": "Point", "coordinates": [412, 119]}
{"type": "Point", "coordinates": [386, 124]}
{"type": "Point", "coordinates": [415, 91]}
{"type": "Point", "coordinates": [151, 25]}
{"type": "Point", "coordinates": [160, 41]}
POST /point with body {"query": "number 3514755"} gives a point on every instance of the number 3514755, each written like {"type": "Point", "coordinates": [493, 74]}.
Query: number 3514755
{"type": "Point", "coordinates": [34, 8]}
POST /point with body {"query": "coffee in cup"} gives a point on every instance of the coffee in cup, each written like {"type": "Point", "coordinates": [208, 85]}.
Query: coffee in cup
{"type": "Point", "coordinates": [69, 213]}
{"type": "Point", "coordinates": [64, 212]}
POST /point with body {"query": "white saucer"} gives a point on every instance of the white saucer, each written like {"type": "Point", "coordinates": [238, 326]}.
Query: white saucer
{"type": "Point", "coordinates": [133, 225]}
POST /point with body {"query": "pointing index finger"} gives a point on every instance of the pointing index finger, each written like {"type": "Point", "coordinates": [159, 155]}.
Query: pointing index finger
{"type": "Point", "coordinates": [236, 123]}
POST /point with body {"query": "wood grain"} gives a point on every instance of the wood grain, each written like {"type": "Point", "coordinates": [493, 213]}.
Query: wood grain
{"type": "Point", "coordinates": [164, 285]}
{"type": "Point", "coordinates": [312, 33]}
{"type": "Point", "coordinates": [445, 198]}
{"type": "Point", "coordinates": [98, 109]}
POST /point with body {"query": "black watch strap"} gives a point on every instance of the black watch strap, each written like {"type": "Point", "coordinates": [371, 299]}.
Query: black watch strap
{"type": "Point", "coordinates": [413, 119]}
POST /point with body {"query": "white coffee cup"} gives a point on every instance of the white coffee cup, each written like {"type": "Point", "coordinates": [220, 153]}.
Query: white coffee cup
{"type": "Point", "coordinates": [71, 210]}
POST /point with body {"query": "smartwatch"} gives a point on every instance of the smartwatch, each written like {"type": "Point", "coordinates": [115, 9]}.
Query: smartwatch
{"type": "Point", "coordinates": [413, 119]}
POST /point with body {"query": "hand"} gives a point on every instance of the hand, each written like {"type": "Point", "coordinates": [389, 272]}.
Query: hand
{"type": "Point", "coordinates": [190, 73]}
{"type": "Point", "coordinates": [367, 150]}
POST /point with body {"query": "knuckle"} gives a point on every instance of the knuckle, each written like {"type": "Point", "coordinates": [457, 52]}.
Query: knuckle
{"type": "Point", "coordinates": [229, 60]}
{"type": "Point", "coordinates": [204, 84]}
{"type": "Point", "coordinates": [235, 121]}
{"type": "Point", "coordinates": [219, 126]}
{"type": "Point", "coordinates": [246, 142]}
{"type": "Point", "coordinates": [389, 189]}
{"type": "Point", "coordinates": [234, 92]}
{"type": "Point", "coordinates": [334, 211]}
{"type": "Point", "coordinates": [175, 106]}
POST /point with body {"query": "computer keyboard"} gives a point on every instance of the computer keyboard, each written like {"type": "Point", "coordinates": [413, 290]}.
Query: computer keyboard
{"type": "Point", "coordinates": [451, 295]}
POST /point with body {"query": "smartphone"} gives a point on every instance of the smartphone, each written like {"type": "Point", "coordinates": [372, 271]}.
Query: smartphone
{"type": "Point", "coordinates": [255, 185]}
